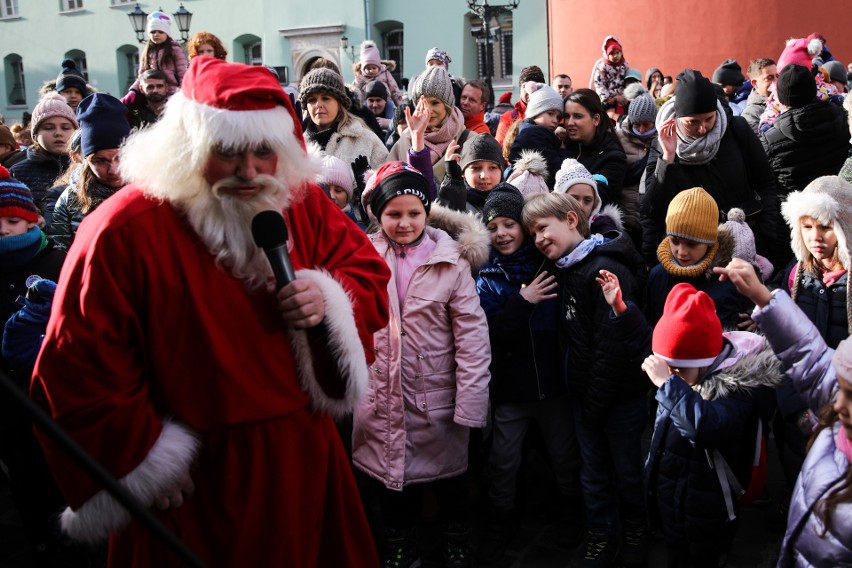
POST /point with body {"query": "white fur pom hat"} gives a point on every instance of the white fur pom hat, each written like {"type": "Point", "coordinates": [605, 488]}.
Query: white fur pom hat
{"type": "Point", "coordinates": [529, 173]}
{"type": "Point", "coordinates": [828, 199]}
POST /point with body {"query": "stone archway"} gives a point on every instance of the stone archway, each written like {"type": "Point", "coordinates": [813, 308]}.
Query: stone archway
{"type": "Point", "coordinates": [306, 44]}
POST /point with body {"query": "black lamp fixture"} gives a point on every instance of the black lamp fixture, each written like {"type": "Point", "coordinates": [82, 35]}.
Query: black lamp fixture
{"type": "Point", "coordinates": [487, 11]}
{"type": "Point", "coordinates": [138, 19]}
{"type": "Point", "coordinates": [183, 18]}
{"type": "Point", "coordinates": [344, 45]}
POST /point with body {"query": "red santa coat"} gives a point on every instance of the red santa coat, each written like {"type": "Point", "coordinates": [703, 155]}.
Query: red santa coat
{"type": "Point", "coordinates": [156, 361]}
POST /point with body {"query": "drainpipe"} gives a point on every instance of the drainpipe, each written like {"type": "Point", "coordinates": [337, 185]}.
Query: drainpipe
{"type": "Point", "coordinates": [368, 25]}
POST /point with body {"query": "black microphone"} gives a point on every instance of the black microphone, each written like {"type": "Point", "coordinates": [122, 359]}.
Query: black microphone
{"type": "Point", "coordinates": [270, 233]}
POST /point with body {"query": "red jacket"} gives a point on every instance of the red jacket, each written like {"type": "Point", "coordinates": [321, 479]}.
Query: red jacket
{"type": "Point", "coordinates": [507, 118]}
{"type": "Point", "coordinates": [476, 123]}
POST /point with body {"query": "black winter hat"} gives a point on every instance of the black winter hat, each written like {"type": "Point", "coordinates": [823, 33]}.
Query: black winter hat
{"type": "Point", "coordinates": [694, 94]}
{"type": "Point", "coordinates": [70, 77]}
{"type": "Point", "coordinates": [504, 200]}
{"type": "Point", "coordinates": [481, 148]}
{"type": "Point", "coordinates": [375, 89]}
{"type": "Point", "coordinates": [729, 73]}
{"type": "Point", "coordinates": [796, 86]}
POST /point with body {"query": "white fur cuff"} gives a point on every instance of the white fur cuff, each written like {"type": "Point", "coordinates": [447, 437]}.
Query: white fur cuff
{"type": "Point", "coordinates": [344, 346]}
{"type": "Point", "coordinates": [170, 457]}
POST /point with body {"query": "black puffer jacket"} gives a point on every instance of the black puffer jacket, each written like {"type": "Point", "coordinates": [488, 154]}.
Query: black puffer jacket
{"type": "Point", "coordinates": [38, 172]}
{"type": "Point", "coordinates": [806, 143]}
{"type": "Point", "coordinates": [603, 155]}
{"type": "Point", "coordinates": [531, 136]}
{"type": "Point", "coordinates": [587, 335]}
{"type": "Point", "coordinates": [824, 305]}
{"type": "Point", "coordinates": [739, 176]}
{"type": "Point", "coordinates": [68, 213]}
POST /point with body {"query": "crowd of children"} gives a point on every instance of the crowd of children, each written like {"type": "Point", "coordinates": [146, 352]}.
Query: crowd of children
{"type": "Point", "coordinates": [519, 300]}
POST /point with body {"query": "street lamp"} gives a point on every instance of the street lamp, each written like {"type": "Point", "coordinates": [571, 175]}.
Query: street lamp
{"type": "Point", "coordinates": [344, 45]}
{"type": "Point", "coordinates": [183, 17]}
{"type": "Point", "coordinates": [487, 11]}
{"type": "Point", "coordinates": [138, 19]}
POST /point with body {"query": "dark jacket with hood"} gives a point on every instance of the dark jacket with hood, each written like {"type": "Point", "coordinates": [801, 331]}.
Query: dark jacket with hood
{"type": "Point", "coordinates": [806, 143]}
{"type": "Point", "coordinates": [593, 375]}
{"type": "Point", "coordinates": [603, 155]}
{"type": "Point", "coordinates": [524, 344]}
{"type": "Point", "coordinates": [531, 136]}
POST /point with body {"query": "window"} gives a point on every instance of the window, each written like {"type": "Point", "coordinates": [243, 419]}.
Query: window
{"type": "Point", "coordinates": [506, 53]}
{"type": "Point", "coordinates": [254, 54]}
{"type": "Point", "coordinates": [122, 2]}
{"type": "Point", "coordinates": [393, 41]}
{"type": "Point", "coordinates": [71, 5]}
{"type": "Point", "coordinates": [495, 62]}
{"type": "Point", "coordinates": [127, 62]}
{"type": "Point", "coordinates": [8, 9]}
{"type": "Point", "coordinates": [79, 57]}
{"type": "Point", "coordinates": [16, 90]}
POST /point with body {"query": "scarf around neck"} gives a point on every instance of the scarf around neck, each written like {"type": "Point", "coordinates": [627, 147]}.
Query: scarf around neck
{"type": "Point", "coordinates": [20, 249]}
{"type": "Point", "coordinates": [695, 151]}
{"type": "Point", "coordinates": [521, 266]}
{"type": "Point", "coordinates": [844, 444]}
{"type": "Point", "coordinates": [664, 254]}
{"type": "Point", "coordinates": [438, 140]}
{"type": "Point", "coordinates": [582, 250]}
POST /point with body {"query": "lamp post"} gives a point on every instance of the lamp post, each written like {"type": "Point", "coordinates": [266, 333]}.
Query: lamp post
{"type": "Point", "coordinates": [349, 51]}
{"type": "Point", "coordinates": [183, 18]}
{"type": "Point", "coordinates": [138, 18]}
{"type": "Point", "coordinates": [487, 11]}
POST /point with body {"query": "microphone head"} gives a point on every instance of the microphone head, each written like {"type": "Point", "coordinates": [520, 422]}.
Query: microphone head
{"type": "Point", "coordinates": [269, 229]}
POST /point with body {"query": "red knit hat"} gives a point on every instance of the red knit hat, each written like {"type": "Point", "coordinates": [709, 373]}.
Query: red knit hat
{"type": "Point", "coordinates": [612, 43]}
{"type": "Point", "coordinates": [217, 86]}
{"type": "Point", "coordinates": [689, 334]}
{"type": "Point", "coordinates": [16, 199]}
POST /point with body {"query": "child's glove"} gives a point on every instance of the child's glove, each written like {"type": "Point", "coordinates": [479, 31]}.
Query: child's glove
{"type": "Point", "coordinates": [24, 331]}
{"type": "Point", "coordinates": [360, 165]}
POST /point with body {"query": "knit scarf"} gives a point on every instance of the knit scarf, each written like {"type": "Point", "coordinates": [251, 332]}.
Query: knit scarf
{"type": "Point", "coordinates": [643, 135]}
{"type": "Point", "coordinates": [477, 197]}
{"type": "Point", "coordinates": [582, 250]}
{"type": "Point", "coordinates": [438, 140]}
{"type": "Point", "coordinates": [664, 254]}
{"type": "Point", "coordinates": [20, 249]}
{"type": "Point", "coordinates": [521, 266]}
{"type": "Point", "coordinates": [844, 444]}
{"type": "Point", "coordinates": [696, 151]}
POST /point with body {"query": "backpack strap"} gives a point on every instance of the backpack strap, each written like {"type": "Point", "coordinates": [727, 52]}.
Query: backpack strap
{"type": "Point", "coordinates": [729, 482]}
{"type": "Point", "coordinates": [463, 138]}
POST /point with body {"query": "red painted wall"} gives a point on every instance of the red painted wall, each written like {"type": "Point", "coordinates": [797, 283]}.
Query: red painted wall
{"type": "Point", "coordinates": [701, 34]}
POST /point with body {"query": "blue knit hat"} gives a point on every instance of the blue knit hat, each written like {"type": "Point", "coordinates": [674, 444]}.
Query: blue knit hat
{"type": "Point", "coordinates": [69, 77]}
{"type": "Point", "coordinates": [103, 123]}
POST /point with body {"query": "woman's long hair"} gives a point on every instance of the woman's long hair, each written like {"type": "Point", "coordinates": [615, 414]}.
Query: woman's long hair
{"type": "Point", "coordinates": [841, 494]}
{"type": "Point", "coordinates": [590, 100]}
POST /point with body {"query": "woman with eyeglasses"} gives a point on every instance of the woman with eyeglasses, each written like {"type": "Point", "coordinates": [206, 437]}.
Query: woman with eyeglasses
{"type": "Point", "coordinates": [103, 128]}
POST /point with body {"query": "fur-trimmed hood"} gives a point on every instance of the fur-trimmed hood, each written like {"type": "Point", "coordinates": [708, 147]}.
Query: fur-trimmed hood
{"type": "Point", "coordinates": [466, 229]}
{"type": "Point", "coordinates": [747, 362]}
{"type": "Point", "coordinates": [612, 211]}
{"type": "Point", "coordinates": [388, 65]}
{"type": "Point", "coordinates": [827, 199]}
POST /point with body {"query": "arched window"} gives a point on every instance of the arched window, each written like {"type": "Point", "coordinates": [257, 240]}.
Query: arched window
{"type": "Point", "coordinates": [79, 57]}
{"type": "Point", "coordinates": [251, 49]}
{"type": "Point", "coordinates": [127, 63]}
{"type": "Point", "coordinates": [394, 50]}
{"type": "Point", "coordinates": [16, 90]}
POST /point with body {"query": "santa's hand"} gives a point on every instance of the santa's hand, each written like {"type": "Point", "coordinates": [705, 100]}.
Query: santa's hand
{"type": "Point", "coordinates": [176, 494]}
{"type": "Point", "coordinates": [301, 303]}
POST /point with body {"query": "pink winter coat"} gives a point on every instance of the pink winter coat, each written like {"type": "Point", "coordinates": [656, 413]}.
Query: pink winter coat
{"type": "Point", "coordinates": [174, 71]}
{"type": "Point", "coordinates": [429, 382]}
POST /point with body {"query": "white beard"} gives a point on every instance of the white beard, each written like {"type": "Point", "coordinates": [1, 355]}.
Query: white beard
{"type": "Point", "coordinates": [223, 222]}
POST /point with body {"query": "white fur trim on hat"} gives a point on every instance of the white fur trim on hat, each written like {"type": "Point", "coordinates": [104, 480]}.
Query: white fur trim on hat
{"type": "Point", "coordinates": [168, 460]}
{"type": "Point", "coordinates": [827, 199]}
{"type": "Point", "coordinates": [686, 363]}
{"type": "Point", "coordinates": [343, 346]}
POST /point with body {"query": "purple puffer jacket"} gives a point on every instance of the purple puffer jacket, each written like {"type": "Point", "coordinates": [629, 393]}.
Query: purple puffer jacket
{"type": "Point", "coordinates": [807, 361]}
{"type": "Point", "coordinates": [429, 382]}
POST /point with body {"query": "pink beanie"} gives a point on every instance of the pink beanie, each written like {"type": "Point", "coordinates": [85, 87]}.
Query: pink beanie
{"type": "Point", "coordinates": [51, 105]}
{"type": "Point", "coordinates": [370, 54]}
{"type": "Point", "coordinates": [800, 51]}
{"type": "Point", "coordinates": [337, 172]}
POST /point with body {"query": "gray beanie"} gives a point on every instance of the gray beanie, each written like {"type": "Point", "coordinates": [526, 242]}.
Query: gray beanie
{"type": "Point", "coordinates": [545, 98]}
{"type": "Point", "coordinates": [642, 109]}
{"type": "Point", "coordinates": [481, 148]}
{"type": "Point", "coordinates": [433, 82]}
{"type": "Point", "coordinates": [836, 71]}
{"type": "Point", "coordinates": [326, 81]}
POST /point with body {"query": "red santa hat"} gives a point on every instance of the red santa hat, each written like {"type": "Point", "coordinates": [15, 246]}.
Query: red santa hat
{"type": "Point", "coordinates": [247, 101]}
{"type": "Point", "coordinates": [689, 334]}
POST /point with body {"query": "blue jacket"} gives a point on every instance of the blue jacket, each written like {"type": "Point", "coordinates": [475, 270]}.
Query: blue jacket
{"type": "Point", "coordinates": [524, 344]}
{"type": "Point", "coordinates": [806, 359]}
{"type": "Point", "coordinates": [38, 172]}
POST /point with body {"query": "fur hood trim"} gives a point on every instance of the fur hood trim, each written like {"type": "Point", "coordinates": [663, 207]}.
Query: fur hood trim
{"type": "Point", "coordinates": [615, 213]}
{"type": "Point", "coordinates": [751, 364]}
{"type": "Point", "coordinates": [825, 209]}
{"type": "Point", "coordinates": [531, 161]}
{"type": "Point", "coordinates": [389, 65]}
{"type": "Point", "coordinates": [467, 229]}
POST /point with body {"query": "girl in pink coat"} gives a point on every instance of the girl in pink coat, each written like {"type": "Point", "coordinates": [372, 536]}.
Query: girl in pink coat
{"type": "Point", "coordinates": [162, 52]}
{"type": "Point", "coordinates": [429, 383]}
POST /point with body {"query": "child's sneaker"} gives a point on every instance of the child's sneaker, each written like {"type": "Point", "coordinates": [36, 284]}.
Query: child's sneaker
{"type": "Point", "coordinates": [601, 551]}
{"type": "Point", "coordinates": [634, 552]}
{"type": "Point", "coordinates": [457, 547]}
{"type": "Point", "coordinates": [399, 550]}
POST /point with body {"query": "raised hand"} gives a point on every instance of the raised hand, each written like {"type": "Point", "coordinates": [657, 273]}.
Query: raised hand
{"type": "Point", "coordinates": [742, 275]}
{"type": "Point", "coordinates": [657, 370]}
{"type": "Point", "coordinates": [612, 291]}
{"type": "Point", "coordinates": [539, 289]}
{"type": "Point", "coordinates": [668, 139]}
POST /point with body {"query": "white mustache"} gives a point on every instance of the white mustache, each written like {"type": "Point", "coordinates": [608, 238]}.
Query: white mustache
{"type": "Point", "coordinates": [265, 182]}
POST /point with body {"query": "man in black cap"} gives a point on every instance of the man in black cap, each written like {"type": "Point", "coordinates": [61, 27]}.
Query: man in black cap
{"type": "Point", "coordinates": [377, 102]}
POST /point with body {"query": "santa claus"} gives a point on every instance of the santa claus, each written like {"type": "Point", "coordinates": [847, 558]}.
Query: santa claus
{"type": "Point", "coordinates": [172, 358]}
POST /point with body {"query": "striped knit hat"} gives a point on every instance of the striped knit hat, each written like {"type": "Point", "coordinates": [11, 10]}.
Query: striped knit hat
{"type": "Point", "coordinates": [16, 199]}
